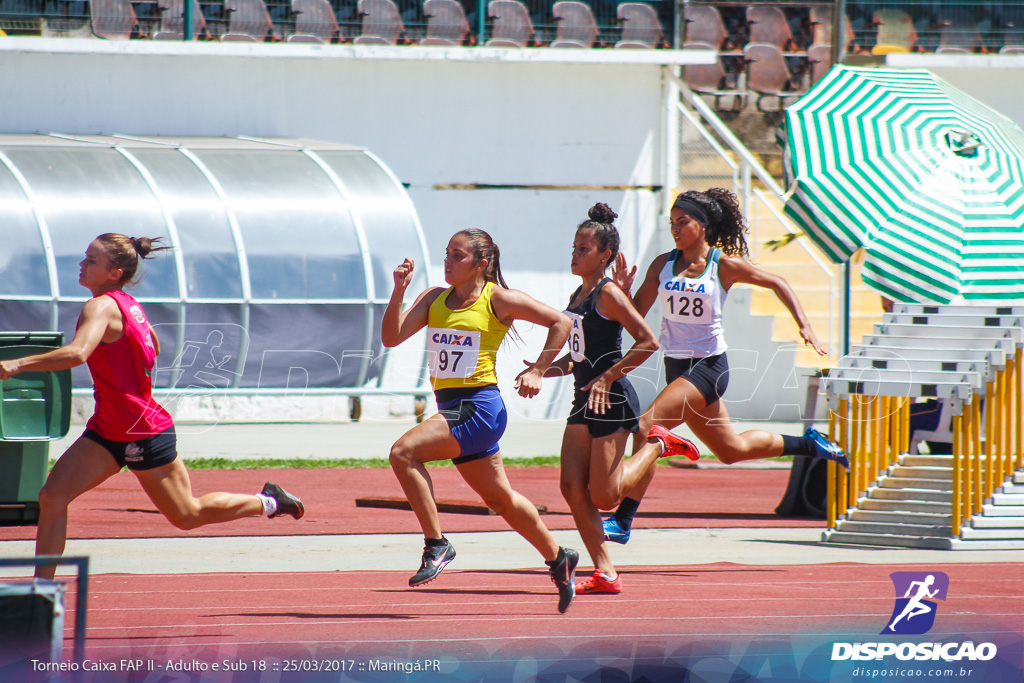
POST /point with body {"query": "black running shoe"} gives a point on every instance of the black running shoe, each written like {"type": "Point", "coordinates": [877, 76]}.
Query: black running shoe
{"type": "Point", "coordinates": [435, 558]}
{"type": "Point", "coordinates": [287, 504]}
{"type": "Point", "coordinates": [563, 574]}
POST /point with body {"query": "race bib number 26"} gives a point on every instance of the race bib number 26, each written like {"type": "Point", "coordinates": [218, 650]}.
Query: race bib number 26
{"type": "Point", "coordinates": [577, 347]}
{"type": "Point", "coordinates": [452, 354]}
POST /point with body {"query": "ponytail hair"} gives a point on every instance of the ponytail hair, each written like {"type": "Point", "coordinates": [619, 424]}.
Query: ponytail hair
{"type": "Point", "coordinates": [125, 252]}
{"type": "Point", "coordinates": [485, 248]}
{"type": "Point", "coordinates": [601, 222]}
{"type": "Point", "coordinates": [725, 226]}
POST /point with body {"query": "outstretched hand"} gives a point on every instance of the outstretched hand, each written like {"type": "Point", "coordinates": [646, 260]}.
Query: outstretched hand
{"type": "Point", "coordinates": [811, 340]}
{"type": "Point", "coordinates": [5, 372]}
{"type": "Point", "coordinates": [622, 275]}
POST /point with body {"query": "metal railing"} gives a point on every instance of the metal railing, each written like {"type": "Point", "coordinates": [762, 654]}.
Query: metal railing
{"type": "Point", "coordinates": [711, 154]}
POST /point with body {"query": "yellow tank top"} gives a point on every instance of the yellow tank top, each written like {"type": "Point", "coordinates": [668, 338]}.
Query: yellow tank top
{"type": "Point", "coordinates": [462, 344]}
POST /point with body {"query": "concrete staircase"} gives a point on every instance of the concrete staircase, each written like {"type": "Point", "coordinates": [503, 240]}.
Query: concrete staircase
{"type": "Point", "coordinates": [909, 506]}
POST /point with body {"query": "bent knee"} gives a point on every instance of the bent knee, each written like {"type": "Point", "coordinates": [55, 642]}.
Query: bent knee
{"type": "Point", "coordinates": [604, 500]}
{"type": "Point", "coordinates": [185, 520]}
{"type": "Point", "coordinates": [400, 454]}
{"type": "Point", "coordinates": [53, 497]}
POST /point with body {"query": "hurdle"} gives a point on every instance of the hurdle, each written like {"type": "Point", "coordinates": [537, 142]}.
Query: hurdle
{"type": "Point", "coordinates": [966, 357]}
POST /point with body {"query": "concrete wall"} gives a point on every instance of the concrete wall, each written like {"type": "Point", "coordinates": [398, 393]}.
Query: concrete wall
{"type": "Point", "coordinates": [435, 117]}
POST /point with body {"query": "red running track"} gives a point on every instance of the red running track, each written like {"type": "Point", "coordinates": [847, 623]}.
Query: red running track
{"type": "Point", "coordinates": [467, 617]}
{"type": "Point", "coordinates": [677, 498]}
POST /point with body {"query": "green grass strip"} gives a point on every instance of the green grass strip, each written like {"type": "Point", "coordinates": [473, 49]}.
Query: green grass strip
{"type": "Point", "coordinates": [368, 463]}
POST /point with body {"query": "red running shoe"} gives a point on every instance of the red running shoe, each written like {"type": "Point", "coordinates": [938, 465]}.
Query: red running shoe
{"type": "Point", "coordinates": [673, 445]}
{"type": "Point", "coordinates": [599, 584]}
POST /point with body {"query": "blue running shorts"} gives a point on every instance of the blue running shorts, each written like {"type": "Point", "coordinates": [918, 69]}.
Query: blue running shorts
{"type": "Point", "coordinates": [476, 418]}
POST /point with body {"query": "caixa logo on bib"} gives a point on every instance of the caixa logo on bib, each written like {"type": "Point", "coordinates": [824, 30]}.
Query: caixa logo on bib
{"type": "Point", "coordinates": [915, 608]}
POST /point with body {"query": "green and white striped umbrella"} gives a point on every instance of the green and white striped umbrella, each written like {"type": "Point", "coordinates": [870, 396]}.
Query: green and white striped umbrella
{"type": "Point", "coordinates": [929, 181]}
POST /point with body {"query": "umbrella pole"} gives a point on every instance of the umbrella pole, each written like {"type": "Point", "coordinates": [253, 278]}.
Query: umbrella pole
{"type": "Point", "coordinates": [846, 308]}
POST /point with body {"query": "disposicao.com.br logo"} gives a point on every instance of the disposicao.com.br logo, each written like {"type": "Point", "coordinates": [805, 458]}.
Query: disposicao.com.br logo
{"type": "Point", "coordinates": [914, 614]}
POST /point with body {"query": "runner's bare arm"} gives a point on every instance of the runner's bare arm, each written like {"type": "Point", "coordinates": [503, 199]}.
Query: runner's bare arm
{"type": "Point", "coordinates": [92, 325]}
{"type": "Point", "coordinates": [398, 325]}
{"type": "Point", "coordinates": [511, 305]}
{"type": "Point", "coordinates": [734, 270]}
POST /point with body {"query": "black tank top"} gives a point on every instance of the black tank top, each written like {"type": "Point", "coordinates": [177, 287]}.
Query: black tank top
{"type": "Point", "coordinates": [602, 338]}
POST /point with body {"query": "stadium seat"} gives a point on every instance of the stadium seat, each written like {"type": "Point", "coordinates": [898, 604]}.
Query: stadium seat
{"type": "Point", "coordinates": [172, 20]}
{"type": "Point", "coordinates": [711, 79]}
{"type": "Point", "coordinates": [248, 21]}
{"type": "Point", "coordinates": [512, 26]}
{"type": "Point", "coordinates": [314, 22]}
{"type": "Point", "coordinates": [821, 28]}
{"type": "Point", "coordinates": [767, 74]}
{"type": "Point", "coordinates": [576, 24]}
{"type": "Point", "coordinates": [958, 32]}
{"type": "Point", "coordinates": [640, 26]}
{"type": "Point", "coordinates": [769, 25]}
{"type": "Point", "coordinates": [21, 16]}
{"type": "Point", "coordinates": [446, 23]}
{"type": "Point", "coordinates": [819, 57]}
{"type": "Point", "coordinates": [112, 19]}
{"type": "Point", "coordinates": [895, 32]}
{"type": "Point", "coordinates": [703, 24]}
{"type": "Point", "coordinates": [382, 24]}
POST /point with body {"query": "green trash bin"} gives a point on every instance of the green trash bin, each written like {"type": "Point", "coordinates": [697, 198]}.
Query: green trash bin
{"type": "Point", "coordinates": [35, 408]}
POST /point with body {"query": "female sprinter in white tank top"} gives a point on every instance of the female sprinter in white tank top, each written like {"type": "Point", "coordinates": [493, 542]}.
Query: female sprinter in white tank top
{"type": "Point", "coordinates": [691, 283]}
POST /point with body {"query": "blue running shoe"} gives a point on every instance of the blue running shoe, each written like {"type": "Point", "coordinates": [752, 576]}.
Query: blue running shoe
{"type": "Point", "coordinates": [614, 532]}
{"type": "Point", "coordinates": [823, 448]}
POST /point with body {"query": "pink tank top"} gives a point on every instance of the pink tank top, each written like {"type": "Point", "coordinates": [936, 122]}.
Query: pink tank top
{"type": "Point", "coordinates": [122, 381]}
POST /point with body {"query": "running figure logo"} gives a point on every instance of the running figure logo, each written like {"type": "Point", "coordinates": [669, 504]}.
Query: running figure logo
{"type": "Point", "coordinates": [914, 612]}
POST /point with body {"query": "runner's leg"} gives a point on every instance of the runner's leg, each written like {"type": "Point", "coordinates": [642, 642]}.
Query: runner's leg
{"type": "Point", "coordinates": [84, 466]}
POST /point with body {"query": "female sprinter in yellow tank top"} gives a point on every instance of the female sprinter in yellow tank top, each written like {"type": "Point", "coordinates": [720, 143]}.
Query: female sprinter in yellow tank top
{"type": "Point", "coordinates": [465, 325]}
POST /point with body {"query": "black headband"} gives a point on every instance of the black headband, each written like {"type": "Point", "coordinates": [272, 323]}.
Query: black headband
{"type": "Point", "coordinates": [693, 209]}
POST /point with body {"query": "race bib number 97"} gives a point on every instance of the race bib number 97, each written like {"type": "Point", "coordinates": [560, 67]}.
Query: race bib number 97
{"type": "Point", "coordinates": [684, 302]}
{"type": "Point", "coordinates": [452, 354]}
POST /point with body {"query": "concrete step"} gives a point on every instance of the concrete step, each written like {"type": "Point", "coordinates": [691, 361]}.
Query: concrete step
{"type": "Point", "coordinates": [998, 522]}
{"type": "Point", "coordinates": [916, 495]}
{"type": "Point", "coordinates": [1014, 488]}
{"type": "Point", "coordinates": [916, 484]}
{"type": "Point", "coordinates": [990, 544]}
{"type": "Point", "coordinates": [1012, 499]}
{"type": "Point", "coordinates": [1018, 477]}
{"type": "Point", "coordinates": [904, 506]}
{"type": "Point", "coordinates": [939, 461]}
{"type": "Point", "coordinates": [930, 530]}
{"type": "Point", "coordinates": [900, 517]}
{"type": "Point", "coordinates": [936, 473]}
{"type": "Point", "coordinates": [900, 541]}
{"type": "Point", "coordinates": [1003, 510]}
{"type": "Point", "coordinates": [969, 534]}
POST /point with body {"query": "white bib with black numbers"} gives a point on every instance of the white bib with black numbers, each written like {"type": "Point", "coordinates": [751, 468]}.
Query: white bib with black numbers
{"type": "Point", "coordinates": [577, 342]}
{"type": "Point", "coordinates": [691, 311]}
{"type": "Point", "coordinates": [452, 354]}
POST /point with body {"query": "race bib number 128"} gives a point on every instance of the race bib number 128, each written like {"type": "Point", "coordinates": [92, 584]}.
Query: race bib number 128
{"type": "Point", "coordinates": [452, 354]}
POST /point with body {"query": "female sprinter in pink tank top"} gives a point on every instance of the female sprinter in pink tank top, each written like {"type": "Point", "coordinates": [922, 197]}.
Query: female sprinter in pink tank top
{"type": "Point", "coordinates": [128, 427]}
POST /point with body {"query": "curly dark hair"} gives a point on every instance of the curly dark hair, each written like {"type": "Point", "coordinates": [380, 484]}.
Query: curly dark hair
{"type": "Point", "coordinates": [601, 221]}
{"type": "Point", "coordinates": [726, 226]}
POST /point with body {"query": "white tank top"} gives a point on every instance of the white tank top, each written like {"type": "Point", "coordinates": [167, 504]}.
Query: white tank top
{"type": "Point", "coordinates": [691, 310]}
